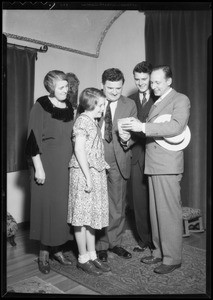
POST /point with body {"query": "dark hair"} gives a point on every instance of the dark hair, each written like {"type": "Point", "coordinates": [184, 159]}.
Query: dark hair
{"type": "Point", "coordinates": [73, 82]}
{"type": "Point", "coordinates": [112, 74]}
{"type": "Point", "coordinates": [166, 69]}
{"type": "Point", "coordinates": [143, 67]}
{"type": "Point", "coordinates": [51, 78]}
{"type": "Point", "coordinates": [89, 98]}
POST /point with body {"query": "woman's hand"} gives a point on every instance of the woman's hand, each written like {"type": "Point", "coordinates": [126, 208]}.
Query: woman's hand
{"type": "Point", "coordinates": [40, 176]}
{"type": "Point", "coordinates": [39, 170]}
{"type": "Point", "coordinates": [88, 188]}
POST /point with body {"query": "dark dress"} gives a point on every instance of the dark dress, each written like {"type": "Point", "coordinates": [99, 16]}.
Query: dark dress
{"type": "Point", "coordinates": [49, 134]}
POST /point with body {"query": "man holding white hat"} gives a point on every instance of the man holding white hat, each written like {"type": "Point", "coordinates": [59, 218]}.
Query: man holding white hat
{"type": "Point", "coordinates": [167, 135]}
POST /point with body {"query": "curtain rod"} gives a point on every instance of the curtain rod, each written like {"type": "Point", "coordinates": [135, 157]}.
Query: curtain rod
{"type": "Point", "coordinates": [42, 49]}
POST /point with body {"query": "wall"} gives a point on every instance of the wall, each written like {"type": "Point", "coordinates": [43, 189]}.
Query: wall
{"type": "Point", "coordinates": [18, 193]}
{"type": "Point", "coordinates": [122, 47]}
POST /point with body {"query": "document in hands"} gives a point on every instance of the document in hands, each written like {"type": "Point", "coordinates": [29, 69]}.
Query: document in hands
{"type": "Point", "coordinates": [121, 122]}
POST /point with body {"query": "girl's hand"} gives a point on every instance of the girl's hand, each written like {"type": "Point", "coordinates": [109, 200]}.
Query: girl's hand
{"type": "Point", "coordinates": [88, 188]}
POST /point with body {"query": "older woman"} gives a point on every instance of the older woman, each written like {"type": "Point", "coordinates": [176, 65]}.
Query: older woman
{"type": "Point", "coordinates": [49, 147]}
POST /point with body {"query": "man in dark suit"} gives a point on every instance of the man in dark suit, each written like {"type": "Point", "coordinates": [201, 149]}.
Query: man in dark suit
{"type": "Point", "coordinates": [164, 167]}
{"type": "Point", "coordinates": [144, 98]}
{"type": "Point", "coordinates": [118, 156]}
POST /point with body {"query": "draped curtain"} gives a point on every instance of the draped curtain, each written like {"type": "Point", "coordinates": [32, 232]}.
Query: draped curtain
{"type": "Point", "coordinates": [179, 39]}
{"type": "Point", "coordinates": [20, 94]}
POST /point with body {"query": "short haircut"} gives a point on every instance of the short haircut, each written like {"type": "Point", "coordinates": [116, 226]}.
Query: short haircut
{"type": "Point", "coordinates": [89, 98]}
{"type": "Point", "coordinates": [51, 78]}
{"type": "Point", "coordinates": [166, 69]}
{"type": "Point", "coordinates": [112, 74]}
{"type": "Point", "coordinates": [143, 67]}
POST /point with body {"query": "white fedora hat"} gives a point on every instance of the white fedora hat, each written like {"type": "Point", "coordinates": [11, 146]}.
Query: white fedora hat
{"type": "Point", "coordinates": [175, 143]}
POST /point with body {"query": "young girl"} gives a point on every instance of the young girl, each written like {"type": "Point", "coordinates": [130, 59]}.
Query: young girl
{"type": "Point", "coordinates": [88, 199]}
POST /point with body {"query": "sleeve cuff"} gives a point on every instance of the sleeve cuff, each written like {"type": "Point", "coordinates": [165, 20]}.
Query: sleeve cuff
{"type": "Point", "coordinates": [124, 143]}
{"type": "Point", "coordinates": [143, 127]}
{"type": "Point", "coordinates": [32, 148]}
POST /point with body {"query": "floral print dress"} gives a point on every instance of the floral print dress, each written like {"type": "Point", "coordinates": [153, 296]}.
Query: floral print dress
{"type": "Point", "coordinates": [89, 209]}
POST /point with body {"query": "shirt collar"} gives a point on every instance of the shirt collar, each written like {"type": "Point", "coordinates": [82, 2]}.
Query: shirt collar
{"type": "Point", "coordinates": [163, 96]}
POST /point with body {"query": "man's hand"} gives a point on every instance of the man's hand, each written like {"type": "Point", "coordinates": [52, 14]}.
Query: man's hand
{"type": "Point", "coordinates": [125, 136]}
{"type": "Point", "coordinates": [133, 125]}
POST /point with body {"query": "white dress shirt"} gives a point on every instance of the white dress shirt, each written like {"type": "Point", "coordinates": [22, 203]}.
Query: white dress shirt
{"type": "Point", "coordinates": [147, 95]}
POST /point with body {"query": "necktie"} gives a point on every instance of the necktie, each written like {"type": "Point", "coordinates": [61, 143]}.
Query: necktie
{"type": "Point", "coordinates": [144, 99]}
{"type": "Point", "coordinates": [108, 124]}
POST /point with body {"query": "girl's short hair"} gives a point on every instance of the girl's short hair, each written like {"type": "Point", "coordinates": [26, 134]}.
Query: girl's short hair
{"type": "Point", "coordinates": [51, 78]}
{"type": "Point", "coordinates": [89, 98]}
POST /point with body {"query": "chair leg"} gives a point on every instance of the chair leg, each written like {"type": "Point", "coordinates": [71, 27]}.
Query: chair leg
{"type": "Point", "coordinates": [201, 224]}
{"type": "Point", "coordinates": [185, 228]}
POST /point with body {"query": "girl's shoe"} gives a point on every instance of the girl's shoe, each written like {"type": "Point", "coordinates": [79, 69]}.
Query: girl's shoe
{"type": "Point", "coordinates": [89, 268]}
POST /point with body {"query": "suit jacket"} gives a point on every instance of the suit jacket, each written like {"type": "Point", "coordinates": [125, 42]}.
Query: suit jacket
{"type": "Point", "coordinates": [159, 160]}
{"type": "Point", "coordinates": [125, 108]}
{"type": "Point", "coordinates": [138, 149]}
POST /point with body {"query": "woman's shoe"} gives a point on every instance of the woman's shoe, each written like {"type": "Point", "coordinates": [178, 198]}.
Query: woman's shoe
{"type": "Point", "coordinates": [100, 265]}
{"type": "Point", "coordinates": [62, 259]}
{"type": "Point", "coordinates": [44, 266]}
{"type": "Point", "coordinates": [43, 262]}
{"type": "Point", "coordinates": [89, 268]}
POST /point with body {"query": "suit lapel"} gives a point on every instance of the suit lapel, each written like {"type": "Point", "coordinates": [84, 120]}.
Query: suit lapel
{"type": "Point", "coordinates": [159, 107]}
{"type": "Point", "coordinates": [120, 110]}
{"type": "Point", "coordinates": [137, 102]}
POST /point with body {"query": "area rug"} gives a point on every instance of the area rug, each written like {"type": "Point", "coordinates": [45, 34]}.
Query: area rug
{"type": "Point", "coordinates": [33, 285]}
{"type": "Point", "coordinates": [131, 277]}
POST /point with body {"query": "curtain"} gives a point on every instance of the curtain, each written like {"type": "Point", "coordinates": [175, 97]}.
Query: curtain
{"type": "Point", "coordinates": [20, 94]}
{"type": "Point", "coordinates": [179, 39]}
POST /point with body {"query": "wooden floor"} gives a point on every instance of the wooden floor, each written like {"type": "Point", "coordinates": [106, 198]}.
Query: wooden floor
{"type": "Point", "coordinates": [21, 263]}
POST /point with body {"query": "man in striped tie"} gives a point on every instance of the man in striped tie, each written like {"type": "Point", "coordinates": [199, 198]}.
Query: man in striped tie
{"type": "Point", "coordinates": [118, 156]}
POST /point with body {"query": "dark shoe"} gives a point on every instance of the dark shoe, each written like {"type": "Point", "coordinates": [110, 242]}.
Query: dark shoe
{"type": "Point", "coordinates": [44, 267]}
{"type": "Point", "coordinates": [164, 269]}
{"type": "Point", "coordinates": [43, 262]}
{"type": "Point", "coordinates": [149, 260]}
{"type": "Point", "coordinates": [121, 252]}
{"type": "Point", "coordinates": [89, 268]}
{"type": "Point", "coordinates": [139, 249]}
{"type": "Point", "coordinates": [62, 259]}
{"type": "Point", "coordinates": [102, 255]}
{"type": "Point", "coordinates": [100, 265]}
